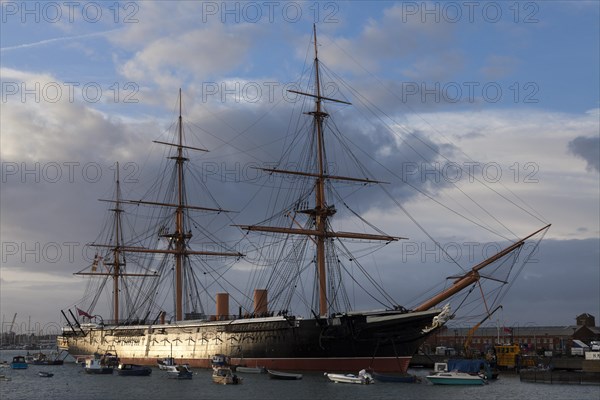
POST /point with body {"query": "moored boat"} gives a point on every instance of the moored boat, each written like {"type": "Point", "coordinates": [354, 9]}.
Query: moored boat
{"type": "Point", "coordinates": [181, 371]}
{"type": "Point", "coordinates": [472, 366]}
{"type": "Point", "coordinates": [250, 370]}
{"type": "Point", "coordinates": [284, 376]}
{"type": "Point", "coordinates": [97, 365]}
{"type": "Point", "coordinates": [399, 378]}
{"type": "Point", "coordinates": [363, 378]}
{"type": "Point", "coordinates": [45, 359]}
{"type": "Point", "coordinates": [225, 376]}
{"type": "Point", "coordinates": [18, 362]}
{"type": "Point", "coordinates": [133, 370]}
{"type": "Point", "coordinates": [455, 378]}
{"type": "Point", "coordinates": [166, 362]}
{"type": "Point", "coordinates": [220, 360]}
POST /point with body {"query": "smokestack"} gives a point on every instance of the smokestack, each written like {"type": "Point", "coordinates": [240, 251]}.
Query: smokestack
{"type": "Point", "coordinates": [162, 317]}
{"type": "Point", "coordinates": [260, 302]}
{"type": "Point", "coordinates": [222, 306]}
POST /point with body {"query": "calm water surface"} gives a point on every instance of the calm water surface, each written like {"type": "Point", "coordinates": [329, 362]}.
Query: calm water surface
{"type": "Point", "coordinates": [71, 382]}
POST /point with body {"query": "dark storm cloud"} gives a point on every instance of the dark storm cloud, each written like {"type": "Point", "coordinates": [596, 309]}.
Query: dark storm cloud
{"type": "Point", "coordinates": [588, 149]}
{"type": "Point", "coordinates": [553, 288]}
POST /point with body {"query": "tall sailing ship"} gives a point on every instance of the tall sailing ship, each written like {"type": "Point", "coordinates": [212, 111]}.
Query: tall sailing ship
{"type": "Point", "coordinates": [332, 338]}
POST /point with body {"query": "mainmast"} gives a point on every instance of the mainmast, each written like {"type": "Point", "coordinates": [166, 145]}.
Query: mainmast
{"type": "Point", "coordinates": [180, 236]}
{"type": "Point", "coordinates": [116, 256]}
{"type": "Point", "coordinates": [322, 211]}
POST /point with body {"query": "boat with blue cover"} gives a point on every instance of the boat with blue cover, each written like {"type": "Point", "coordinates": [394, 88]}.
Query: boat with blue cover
{"type": "Point", "coordinates": [18, 362]}
{"type": "Point", "coordinates": [473, 367]}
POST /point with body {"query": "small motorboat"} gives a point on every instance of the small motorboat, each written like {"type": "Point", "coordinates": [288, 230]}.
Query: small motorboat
{"type": "Point", "coordinates": [285, 376]}
{"type": "Point", "coordinates": [224, 376]}
{"type": "Point", "coordinates": [250, 370]}
{"type": "Point", "coordinates": [400, 378]}
{"type": "Point", "coordinates": [455, 378]}
{"type": "Point", "coordinates": [133, 370]}
{"type": "Point", "coordinates": [220, 360]}
{"type": "Point", "coordinates": [182, 371]}
{"type": "Point", "coordinates": [18, 362]}
{"type": "Point", "coordinates": [166, 362]}
{"type": "Point", "coordinates": [96, 366]}
{"type": "Point", "coordinates": [80, 360]}
{"type": "Point", "coordinates": [363, 378]}
{"type": "Point", "coordinates": [45, 374]}
{"type": "Point", "coordinates": [45, 359]}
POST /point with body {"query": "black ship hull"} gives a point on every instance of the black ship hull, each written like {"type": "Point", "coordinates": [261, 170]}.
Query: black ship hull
{"type": "Point", "coordinates": [384, 341]}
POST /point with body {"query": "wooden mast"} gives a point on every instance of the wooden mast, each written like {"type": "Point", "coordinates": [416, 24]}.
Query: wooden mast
{"type": "Point", "coordinates": [179, 237]}
{"type": "Point", "coordinates": [321, 211]}
{"type": "Point", "coordinates": [116, 272]}
{"type": "Point", "coordinates": [116, 255]}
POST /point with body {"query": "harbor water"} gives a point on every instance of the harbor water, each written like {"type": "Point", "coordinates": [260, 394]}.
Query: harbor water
{"type": "Point", "coordinates": [71, 382]}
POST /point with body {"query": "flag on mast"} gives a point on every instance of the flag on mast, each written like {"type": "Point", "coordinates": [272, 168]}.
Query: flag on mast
{"type": "Point", "coordinates": [85, 314]}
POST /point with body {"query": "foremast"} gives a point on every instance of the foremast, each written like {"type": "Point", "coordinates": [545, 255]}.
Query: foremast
{"type": "Point", "coordinates": [322, 211]}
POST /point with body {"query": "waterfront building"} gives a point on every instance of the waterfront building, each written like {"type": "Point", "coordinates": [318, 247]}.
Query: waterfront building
{"type": "Point", "coordinates": [532, 338]}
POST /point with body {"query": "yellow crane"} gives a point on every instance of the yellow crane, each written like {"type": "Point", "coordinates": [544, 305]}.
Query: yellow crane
{"type": "Point", "coordinates": [469, 339]}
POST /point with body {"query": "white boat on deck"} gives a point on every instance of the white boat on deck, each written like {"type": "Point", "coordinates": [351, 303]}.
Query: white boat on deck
{"type": "Point", "coordinates": [363, 378]}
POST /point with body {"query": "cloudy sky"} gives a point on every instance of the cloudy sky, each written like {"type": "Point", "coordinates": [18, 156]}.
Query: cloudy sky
{"type": "Point", "coordinates": [488, 110]}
